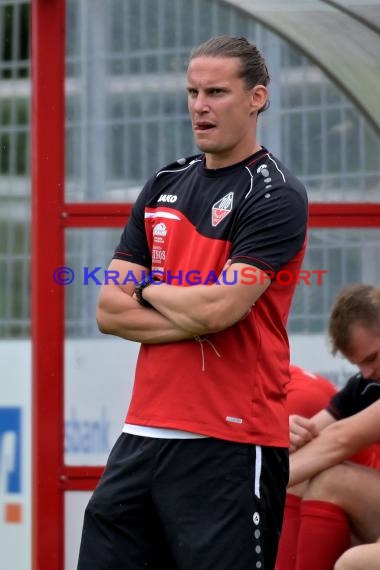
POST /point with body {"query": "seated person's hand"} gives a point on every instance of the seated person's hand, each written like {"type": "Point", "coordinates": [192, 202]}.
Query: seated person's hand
{"type": "Point", "coordinates": [301, 430]}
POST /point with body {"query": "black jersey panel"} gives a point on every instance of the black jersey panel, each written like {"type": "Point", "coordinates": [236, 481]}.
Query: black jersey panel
{"type": "Point", "coordinates": [133, 245]}
{"type": "Point", "coordinates": [355, 396]}
{"type": "Point", "coordinates": [268, 229]}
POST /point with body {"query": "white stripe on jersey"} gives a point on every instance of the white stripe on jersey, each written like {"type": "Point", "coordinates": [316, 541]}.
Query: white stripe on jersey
{"type": "Point", "coordinates": [179, 169]}
{"type": "Point", "coordinates": [161, 214]}
{"type": "Point", "coordinates": [250, 189]}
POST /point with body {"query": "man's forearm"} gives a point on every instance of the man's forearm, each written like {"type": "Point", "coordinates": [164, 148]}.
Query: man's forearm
{"type": "Point", "coordinates": [336, 443]}
{"type": "Point", "coordinates": [207, 309]}
{"type": "Point", "coordinates": [312, 459]}
{"type": "Point", "coordinates": [120, 315]}
{"type": "Point", "coordinates": [332, 446]}
{"type": "Point", "coordinates": [188, 307]}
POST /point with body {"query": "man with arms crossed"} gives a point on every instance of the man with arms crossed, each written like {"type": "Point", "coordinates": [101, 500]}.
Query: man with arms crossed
{"type": "Point", "coordinates": [198, 477]}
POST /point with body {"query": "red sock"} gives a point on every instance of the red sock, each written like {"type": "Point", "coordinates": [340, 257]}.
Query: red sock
{"type": "Point", "coordinates": [324, 534]}
{"type": "Point", "coordinates": [287, 548]}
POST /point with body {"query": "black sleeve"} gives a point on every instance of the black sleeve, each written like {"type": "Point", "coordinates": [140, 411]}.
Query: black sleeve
{"type": "Point", "coordinates": [133, 245]}
{"type": "Point", "coordinates": [271, 227]}
{"type": "Point", "coordinates": [347, 401]}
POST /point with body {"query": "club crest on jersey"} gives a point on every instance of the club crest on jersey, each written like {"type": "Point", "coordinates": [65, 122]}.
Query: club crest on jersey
{"type": "Point", "coordinates": [221, 209]}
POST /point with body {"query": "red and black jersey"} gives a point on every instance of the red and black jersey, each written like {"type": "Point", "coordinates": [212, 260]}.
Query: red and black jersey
{"type": "Point", "coordinates": [186, 223]}
{"type": "Point", "coordinates": [357, 394]}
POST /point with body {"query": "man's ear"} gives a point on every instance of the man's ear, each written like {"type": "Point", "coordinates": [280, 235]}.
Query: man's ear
{"type": "Point", "coordinates": [259, 97]}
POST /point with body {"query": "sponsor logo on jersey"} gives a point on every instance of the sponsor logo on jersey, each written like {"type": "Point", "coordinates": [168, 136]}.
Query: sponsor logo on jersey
{"type": "Point", "coordinates": [160, 230]}
{"type": "Point", "coordinates": [221, 209]}
{"type": "Point", "coordinates": [158, 255]}
{"type": "Point", "coordinates": [168, 198]}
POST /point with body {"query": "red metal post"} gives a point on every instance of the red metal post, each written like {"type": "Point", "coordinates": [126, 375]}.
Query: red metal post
{"type": "Point", "coordinates": [48, 115]}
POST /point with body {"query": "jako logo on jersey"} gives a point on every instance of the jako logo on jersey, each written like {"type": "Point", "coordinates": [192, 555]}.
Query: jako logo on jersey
{"type": "Point", "coordinates": [167, 198]}
{"type": "Point", "coordinates": [10, 465]}
{"type": "Point", "coordinates": [221, 209]}
{"type": "Point", "coordinates": [160, 229]}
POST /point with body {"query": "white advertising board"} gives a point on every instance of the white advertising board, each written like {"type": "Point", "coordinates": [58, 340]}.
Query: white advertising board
{"type": "Point", "coordinates": [98, 383]}
{"type": "Point", "coordinates": [15, 457]}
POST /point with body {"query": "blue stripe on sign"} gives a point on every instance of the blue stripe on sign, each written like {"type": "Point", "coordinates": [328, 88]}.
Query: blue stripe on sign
{"type": "Point", "coordinates": [10, 449]}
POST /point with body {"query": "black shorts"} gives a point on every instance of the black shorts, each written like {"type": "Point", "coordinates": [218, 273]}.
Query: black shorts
{"type": "Point", "coordinates": [194, 504]}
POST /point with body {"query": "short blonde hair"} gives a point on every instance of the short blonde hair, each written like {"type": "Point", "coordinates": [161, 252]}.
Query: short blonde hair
{"type": "Point", "coordinates": [355, 305]}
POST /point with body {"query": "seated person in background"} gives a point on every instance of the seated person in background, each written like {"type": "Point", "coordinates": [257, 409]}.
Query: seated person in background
{"type": "Point", "coordinates": [350, 489]}
{"type": "Point", "coordinates": [355, 396]}
{"type": "Point", "coordinates": [354, 330]}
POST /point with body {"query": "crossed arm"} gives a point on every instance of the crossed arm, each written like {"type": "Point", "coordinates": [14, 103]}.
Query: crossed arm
{"type": "Point", "coordinates": [336, 443]}
{"type": "Point", "coordinates": [179, 313]}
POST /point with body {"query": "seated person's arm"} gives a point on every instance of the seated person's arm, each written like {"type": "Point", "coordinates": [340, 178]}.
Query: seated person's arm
{"type": "Point", "coordinates": [336, 443]}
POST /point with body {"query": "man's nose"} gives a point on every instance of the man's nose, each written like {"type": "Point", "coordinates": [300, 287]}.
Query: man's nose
{"type": "Point", "coordinates": [201, 104]}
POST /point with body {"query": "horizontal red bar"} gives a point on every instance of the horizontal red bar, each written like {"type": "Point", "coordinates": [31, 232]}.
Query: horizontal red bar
{"type": "Point", "coordinates": [335, 215]}
{"type": "Point", "coordinates": [81, 478]}
{"type": "Point", "coordinates": [345, 215]}
{"type": "Point", "coordinates": [95, 215]}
